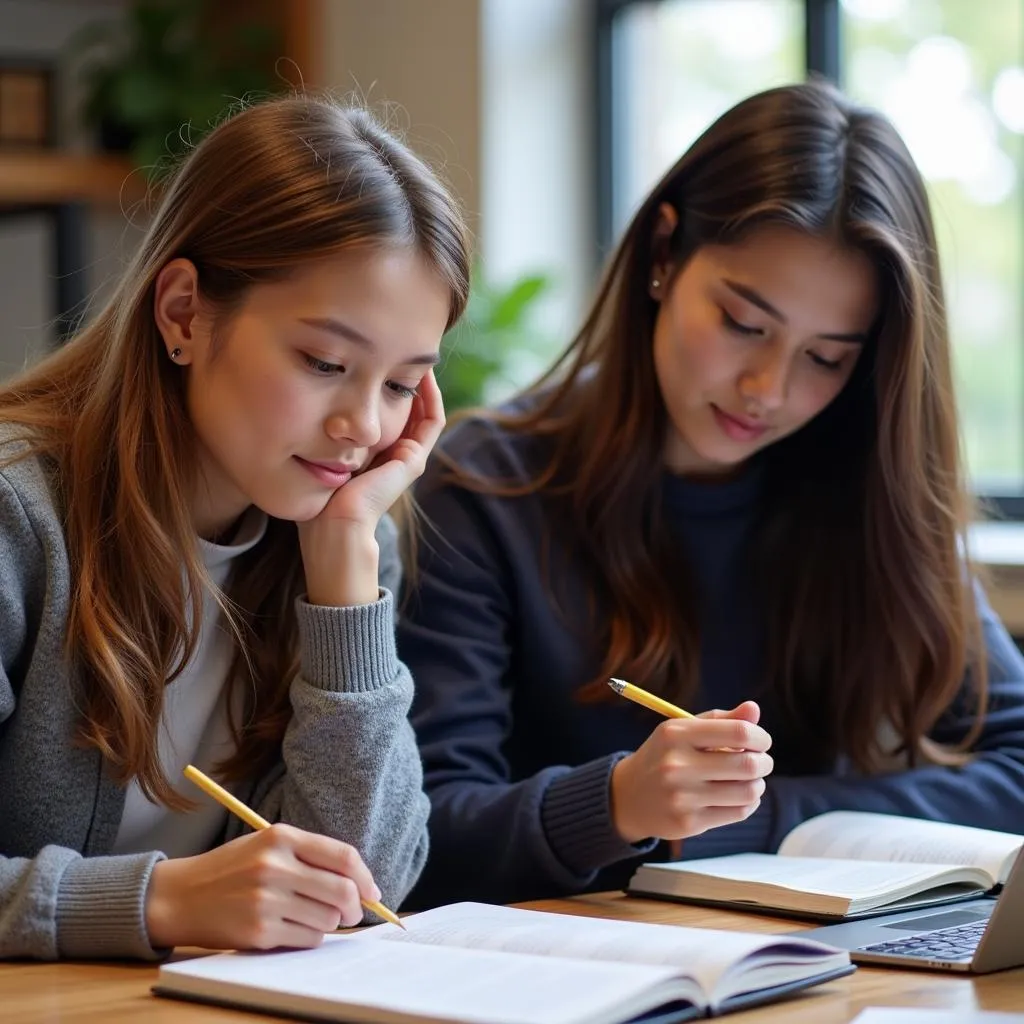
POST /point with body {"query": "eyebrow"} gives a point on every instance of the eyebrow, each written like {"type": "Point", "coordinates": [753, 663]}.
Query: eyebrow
{"type": "Point", "coordinates": [756, 299]}
{"type": "Point", "coordinates": [343, 330]}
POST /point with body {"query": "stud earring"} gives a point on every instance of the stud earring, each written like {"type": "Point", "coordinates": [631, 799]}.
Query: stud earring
{"type": "Point", "coordinates": [655, 283]}
{"type": "Point", "coordinates": [175, 354]}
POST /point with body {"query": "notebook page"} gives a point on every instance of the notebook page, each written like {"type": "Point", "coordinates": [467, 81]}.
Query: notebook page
{"type": "Point", "coordinates": [703, 953]}
{"type": "Point", "coordinates": [471, 986]}
{"type": "Point", "coordinates": [905, 1015]}
{"type": "Point", "coordinates": [846, 878]}
{"type": "Point", "coordinates": [864, 836]}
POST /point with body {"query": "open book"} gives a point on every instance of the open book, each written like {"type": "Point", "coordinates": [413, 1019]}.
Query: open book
{"type": "Point", "coordinates": [478, 964]}
{"type": "Point", "coordinates": [844, 864]}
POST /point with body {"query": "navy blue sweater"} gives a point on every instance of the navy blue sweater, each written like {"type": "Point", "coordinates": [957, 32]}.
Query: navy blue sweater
{"type": "Point", "coordinates": [517, 768]}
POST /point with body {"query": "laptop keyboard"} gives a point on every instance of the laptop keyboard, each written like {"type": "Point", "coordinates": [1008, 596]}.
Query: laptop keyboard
{"type": "Point", "coordinates": [956, 944]}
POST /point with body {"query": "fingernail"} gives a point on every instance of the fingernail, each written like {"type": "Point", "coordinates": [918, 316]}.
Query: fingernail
{"type": "Point", "coordinates": [377, 894]}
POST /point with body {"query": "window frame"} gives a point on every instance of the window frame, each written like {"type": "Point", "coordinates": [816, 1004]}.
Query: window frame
{"type": "Point", "coordinates": [823, 47]}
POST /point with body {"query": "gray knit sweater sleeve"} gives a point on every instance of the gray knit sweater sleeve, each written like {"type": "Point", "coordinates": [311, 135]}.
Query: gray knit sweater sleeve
{"type": "Point", "coordinates": [351, 767]}
{"type": "Point", "coordinates": [55, 902]}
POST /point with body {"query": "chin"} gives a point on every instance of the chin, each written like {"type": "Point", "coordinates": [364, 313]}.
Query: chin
{"type": "Point", "coordinates": [719, 458]}
{"type": "Point", "coordinates": [733, 458]}
{"type": "Point", "coordinates": [295, 509]}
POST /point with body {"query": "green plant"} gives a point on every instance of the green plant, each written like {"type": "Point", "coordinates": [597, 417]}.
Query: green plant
{"type": "Point", "coordinates": [158, 78]}
{"type": "Point", "coordinates": [479, 353]}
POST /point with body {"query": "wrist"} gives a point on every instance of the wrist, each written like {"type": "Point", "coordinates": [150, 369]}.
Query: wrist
{"type": "Point", "coordinates": [618, 789]}
{"type": "Point", "coordinates": [343, 570]}
{"type": "Point", "coordinates": [162, 910]}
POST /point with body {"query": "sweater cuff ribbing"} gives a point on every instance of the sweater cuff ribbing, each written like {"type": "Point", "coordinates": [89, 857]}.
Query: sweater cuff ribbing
{"type": "Point", "coordinates": [576, 816]}
{"type": "Point", "coordinates": [348, 650]}
{"type": "Point", "coordinates": [101, 908]}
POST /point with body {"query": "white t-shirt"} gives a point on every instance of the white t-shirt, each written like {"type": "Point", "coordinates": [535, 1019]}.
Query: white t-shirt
{"type": "Point", "coordinates": [194, 724]}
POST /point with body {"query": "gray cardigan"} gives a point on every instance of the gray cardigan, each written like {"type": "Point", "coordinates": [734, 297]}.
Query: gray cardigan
{"type": "Point", "coordinates": [350, 766]}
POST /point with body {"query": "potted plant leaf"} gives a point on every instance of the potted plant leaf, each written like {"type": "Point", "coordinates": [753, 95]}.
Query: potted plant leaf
{"type": "Point", "coordinates": [156, 79]}
{"type": "Point", "coordinates": [480, 353]}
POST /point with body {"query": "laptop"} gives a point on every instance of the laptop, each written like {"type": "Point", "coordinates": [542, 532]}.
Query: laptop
{"type": "Point", "coordinates": [976, 936]}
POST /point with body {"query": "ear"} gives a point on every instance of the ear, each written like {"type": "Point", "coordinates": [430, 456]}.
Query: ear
{"type": "Point", "coordinates": [661, 248]}
{"type": "Point", "coordinates": [175, 307]}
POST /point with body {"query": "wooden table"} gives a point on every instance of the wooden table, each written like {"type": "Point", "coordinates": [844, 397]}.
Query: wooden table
{"type": "Point", "coordinates": [32, 993]}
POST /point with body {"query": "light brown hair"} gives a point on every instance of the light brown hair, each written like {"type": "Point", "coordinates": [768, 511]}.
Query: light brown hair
{"type": "Point", "coordinates": [869, 614]}
{"type": "Point", "coordinates": [272, 188]}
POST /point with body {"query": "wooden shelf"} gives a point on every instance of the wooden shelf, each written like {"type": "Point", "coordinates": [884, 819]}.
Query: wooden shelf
{"type": "Point", "coordinates": [48, 177]}
{"type": "Point", "coordinates": [28, 179]}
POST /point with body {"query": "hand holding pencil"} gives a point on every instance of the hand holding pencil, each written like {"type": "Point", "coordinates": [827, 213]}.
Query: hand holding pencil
{"type": "Point", "coordinates": [280, 886]}
{"type": "Point", "coordinates": [693, 773]}
{"type": "Point", "coordinates": [253, 820]}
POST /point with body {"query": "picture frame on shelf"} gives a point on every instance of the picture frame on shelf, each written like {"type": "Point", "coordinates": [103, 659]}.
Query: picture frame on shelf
{"type": "Point", "coordinates": [27, 103]}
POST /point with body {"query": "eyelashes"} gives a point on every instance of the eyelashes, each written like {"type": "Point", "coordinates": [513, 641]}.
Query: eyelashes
{"type": "Point", "coordinates": [325, 369]}
{"type": "Point", "coordinates": [322, 368]}
{"type": "Point", "coordinates": [744, 329]}
{"type": "Point", "coordinates": [747, 331]}
{"type": "Point", "coordinates": [825, 364]}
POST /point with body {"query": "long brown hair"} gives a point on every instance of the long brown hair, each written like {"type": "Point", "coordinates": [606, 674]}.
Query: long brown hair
{"type": "Point", "coordinates": [869, 615]}
{"type": "Point", "coordinates": [278, 185]}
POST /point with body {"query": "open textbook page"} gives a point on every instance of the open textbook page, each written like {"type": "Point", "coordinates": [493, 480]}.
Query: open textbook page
{"type": "Point", "coordinates": [844, 864]}
{"type": "Point", "coordinates": [859, 835]}
{"type": "Point", "coordinates": [722, 963]}
{"type": "Point", "coordinates": [480, 964]}
{"type": "Point", "coordinates": [808, 885]}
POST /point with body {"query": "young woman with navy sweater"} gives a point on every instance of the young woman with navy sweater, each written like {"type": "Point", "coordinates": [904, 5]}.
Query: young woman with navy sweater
{"type": "Point", "coordinates": [740, 488]}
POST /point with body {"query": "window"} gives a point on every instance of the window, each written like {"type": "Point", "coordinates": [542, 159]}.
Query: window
{"type": "Point", "coordinates": [678, 64]}
{"type": "Point", "coordinates": [953, 84]}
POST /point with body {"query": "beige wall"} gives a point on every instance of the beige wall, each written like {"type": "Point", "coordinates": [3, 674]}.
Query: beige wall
{"type": "Point", "coordinates": [422, 58]}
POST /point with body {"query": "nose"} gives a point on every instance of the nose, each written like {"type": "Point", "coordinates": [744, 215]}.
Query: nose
{"type": "Point", "coordinates": [357, 420]}
{"type": "Point", "coordinates": [765, 381]}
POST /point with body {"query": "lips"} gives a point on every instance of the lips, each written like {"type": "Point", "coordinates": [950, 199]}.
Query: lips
{"type": "Point", "coordinates": [332, 467]}
{"type": "Point", "coordinates": [738, 428]}
{"type": "Point", "coordinates": [330, 474]}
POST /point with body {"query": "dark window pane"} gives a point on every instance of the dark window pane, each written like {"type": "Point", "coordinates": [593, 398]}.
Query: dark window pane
{"type": "Point", "coordinates": [677, 65]}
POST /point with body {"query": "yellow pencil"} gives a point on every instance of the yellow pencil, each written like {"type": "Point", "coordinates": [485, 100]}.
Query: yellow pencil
{"type": "Point", "coordinates": [256, 821]}
{"type": "Point", "coordinates": [648, 700]}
